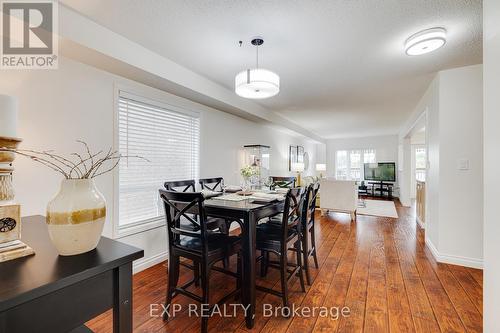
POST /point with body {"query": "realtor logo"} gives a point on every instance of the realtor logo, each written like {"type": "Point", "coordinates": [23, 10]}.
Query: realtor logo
{"type": "Point", "coordinates": [29, 31]}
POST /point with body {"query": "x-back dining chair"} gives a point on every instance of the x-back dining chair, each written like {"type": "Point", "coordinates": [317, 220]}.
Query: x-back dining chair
{"type": "Point", "coordinates": [189, 186]}
{"type": "Point", "coordinates": [181, 186]}
{"type": "Point", "coordinates": [308, 231]}
{"type": "Point", "coordinates": [277, 239]}
{"type": "Point", "coordinates": [202, 246]}
{"type": "Point", "coordinates": [212, 184]}
{"type": "Point", "coordinates": [283, 182]}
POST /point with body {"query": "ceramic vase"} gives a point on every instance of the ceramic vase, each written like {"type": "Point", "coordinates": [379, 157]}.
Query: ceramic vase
{"type": "Point", "coordinates": [75, 217]}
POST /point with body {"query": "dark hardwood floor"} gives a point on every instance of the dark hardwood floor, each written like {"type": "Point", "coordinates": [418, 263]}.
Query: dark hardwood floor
{"type": "Point", "coordinates": [378, 267]}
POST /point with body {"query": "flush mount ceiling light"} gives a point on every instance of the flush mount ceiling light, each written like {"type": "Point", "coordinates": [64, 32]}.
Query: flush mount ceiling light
{"type": "Point", "coordinates": [425, 41]}
{"type": "Point", "coordinates": [257, 83]}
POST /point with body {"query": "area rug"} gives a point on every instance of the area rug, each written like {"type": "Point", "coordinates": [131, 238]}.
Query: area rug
{"type": "Point", "coordinates": [377, 208]}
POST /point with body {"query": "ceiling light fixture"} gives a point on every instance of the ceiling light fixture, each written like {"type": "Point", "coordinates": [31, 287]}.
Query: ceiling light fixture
{"type": "Point", "coordinates": [257, 83]}
{"type": "Point", "coordinates": [425, 41]}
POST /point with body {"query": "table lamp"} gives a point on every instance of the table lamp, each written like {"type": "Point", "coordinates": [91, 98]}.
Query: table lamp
{"type": "Point", "coordinates": [11, 246]}
{"type": "Point", "coordinates": [320, 167]}
{"type": "Point", "coordinates": [298, 168]}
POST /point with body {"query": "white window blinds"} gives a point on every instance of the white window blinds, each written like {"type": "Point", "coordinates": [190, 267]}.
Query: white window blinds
{"type": "Point", "coordinates": [168, 138]}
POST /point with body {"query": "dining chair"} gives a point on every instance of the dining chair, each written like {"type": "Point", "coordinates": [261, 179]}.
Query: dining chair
{"type": "Point", "coordinates": [308, 221]}
{"type": "Point", "coordinates": [272, 238]}
{"type": "Point", "coordinates": [283, 182]}
{"type": "Point", "coordinates": [204, 247]}
{"type": "Point", "coordinates": [212, 224]}
{"type": "Point", "coordinates": [189, 186]}
{"type": "Point", "coordinates": [212, 184]}
{"type": "Point", "coordinates": [181, 185]}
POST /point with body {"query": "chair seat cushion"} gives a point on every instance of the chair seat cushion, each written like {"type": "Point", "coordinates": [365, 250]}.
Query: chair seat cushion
{"type": "Point", "coordinates": [212, 224]}
{"type": "Point", "coordinates": [217, 243]}
{"type": "Point", "coordinates": [270, 232]}
{"type": "Point", "coordinates": [278, 221]}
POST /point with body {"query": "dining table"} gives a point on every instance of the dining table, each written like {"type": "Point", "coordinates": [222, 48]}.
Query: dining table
{"type": "Point", "coordinates": [246, 212]}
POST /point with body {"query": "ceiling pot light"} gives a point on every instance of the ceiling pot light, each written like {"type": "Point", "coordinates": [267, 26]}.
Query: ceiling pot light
{"type": "Point", "coordinates": [425, 41]}
{"type": "Point", "coordinates": [257, 83]}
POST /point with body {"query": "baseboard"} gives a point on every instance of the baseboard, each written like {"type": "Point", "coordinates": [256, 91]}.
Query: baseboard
{"type": "Point", "coordinates": [145, 263]}
{"type": "Point", "coordinates": [434, 251]}
{"type": "Point", "coordinates": [420, 223]}
{"type": "Point", "coordinates": [452, 259]}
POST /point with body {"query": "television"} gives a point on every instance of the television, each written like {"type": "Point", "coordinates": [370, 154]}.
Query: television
{"type": "Point", "coordinates": [380, 172]}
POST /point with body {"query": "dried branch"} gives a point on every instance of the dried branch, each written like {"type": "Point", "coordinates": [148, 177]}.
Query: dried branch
{"type": "Point", "coordinates": [99, 162]}
{"type": "Point", "coordinates": [31, 155]}
{"type": "Point", "coordinates": [85, 167]}
{"type": "Point", "coordinates": [84, 161]}
{"type": "Point", "coordinates": [91, 157]}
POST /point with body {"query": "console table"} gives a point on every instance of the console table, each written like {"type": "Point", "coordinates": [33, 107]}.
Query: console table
{"type": "Point", "coordinates": [383, 189]}
{"type": "Point", "coordinates": [46, 292]}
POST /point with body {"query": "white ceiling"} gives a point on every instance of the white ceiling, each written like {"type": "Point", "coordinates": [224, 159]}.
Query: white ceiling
{"type": "Point", "coordinates": [342, 65]}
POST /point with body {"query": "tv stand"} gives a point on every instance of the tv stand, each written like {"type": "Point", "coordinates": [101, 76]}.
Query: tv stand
{"type": "Point", "coordinates": [380, 189]}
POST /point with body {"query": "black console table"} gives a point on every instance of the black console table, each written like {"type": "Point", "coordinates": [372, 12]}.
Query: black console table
{"type": "Point", "coordinates": [46, 292]}
{"type": "Point", "coordinates": [381, 189]}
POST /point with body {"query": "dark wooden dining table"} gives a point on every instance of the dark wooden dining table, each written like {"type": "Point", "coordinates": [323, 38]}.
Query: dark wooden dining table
{"type": "Point", "coordinates": [248, 213]}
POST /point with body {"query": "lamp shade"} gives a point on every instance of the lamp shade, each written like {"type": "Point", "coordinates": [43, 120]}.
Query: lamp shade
{"type": "Point", "coordinates": [8, 116]}
{"type": "Point", "coordinates": [297, 167]}
{"type": "Point", "coordinates": [320, 167]}
{"type": "Point", "coordinates": [257, 83]}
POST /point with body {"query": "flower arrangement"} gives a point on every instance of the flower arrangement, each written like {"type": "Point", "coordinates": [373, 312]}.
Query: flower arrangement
{"type": "Point", "coordinates": [79, 165]}
{"type": "Point", "coordinates": [249, 171]}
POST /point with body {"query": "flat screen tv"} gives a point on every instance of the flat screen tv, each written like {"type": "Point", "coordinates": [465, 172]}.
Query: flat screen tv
{"type": "Point", "coordinates": [380, 172]}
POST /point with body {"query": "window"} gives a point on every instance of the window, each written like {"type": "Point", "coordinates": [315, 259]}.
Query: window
{"type": "Point", "coordinates": [168, 138]}
{"type": "Point", "coordinates": [369, 156]}
{"type": "Point", "coordinates": [341, 165]}
{"type": "Point", "coordinates": [420, 164]}
{"type": "Point", "coordinates": [349, 165]}
{"type": "Point", "coordinates": [355, 165]}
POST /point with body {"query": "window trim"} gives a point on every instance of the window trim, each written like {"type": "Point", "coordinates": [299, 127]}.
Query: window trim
{"type": "Point", "coordinates": [150, 96]}
{"type": "Point", "coordinates": [415, 148]}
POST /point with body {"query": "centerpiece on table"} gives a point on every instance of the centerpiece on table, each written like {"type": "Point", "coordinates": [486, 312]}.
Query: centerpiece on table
{"type": "Point", "coordinates": [250, 176]}
{"type": "Point", "coordinates": [76, 215]}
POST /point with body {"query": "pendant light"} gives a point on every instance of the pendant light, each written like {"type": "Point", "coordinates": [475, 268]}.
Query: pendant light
{"type": "Point", "coordinates": [257, 83]}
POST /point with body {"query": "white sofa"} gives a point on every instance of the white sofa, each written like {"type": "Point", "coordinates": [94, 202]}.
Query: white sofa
{"type": "Point", "coordinates": [339, 195]}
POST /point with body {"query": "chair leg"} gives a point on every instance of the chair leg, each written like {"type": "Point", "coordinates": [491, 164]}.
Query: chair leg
{"type": "Point", "coordinates": [224, 227]}
{"type": "Point", "coordinates": [305, 256]}
{"type": "Point", "coordinates": [196, 273]}
{"type": "Point", "coordinates": [205, 277]}
{"type": "Point", "coordinates": [283, 275]}
{"type": "Point", "coordinates": [173, 279]}
{"type": "Point", "coordinates": [299, 264]}
{"type": "Point", "coordinates": [264, 263]}
{"type": "Point", "coordinates": [225, 263]}
{"type": "Point", "coordinates": [313, 246]}
{"type": "Point", "coordinates": [239, 273]}
{"type": "Point", "coordinates": [267, 263]}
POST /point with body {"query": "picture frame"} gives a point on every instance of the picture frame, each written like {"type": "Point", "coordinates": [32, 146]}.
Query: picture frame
{"type": "Point", "coordinates": [292, 156]}
{"type": "Point", "coordinates": [300, 154]}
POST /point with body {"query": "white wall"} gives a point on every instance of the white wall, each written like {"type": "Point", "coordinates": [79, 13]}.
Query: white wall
{"type": "Point", "coordinates": [56, 107]}
{"type": "Point", "coordinates": [386, 146]}
{"type": "Point", "coordinates": [461, 137]}
{"type": "Point", "coordinates": [454, 218]}
{"type": "Point", "coordinates": [491, 162]}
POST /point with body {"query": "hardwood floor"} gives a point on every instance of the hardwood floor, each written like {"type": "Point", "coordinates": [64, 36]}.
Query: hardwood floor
{"type": "Point", "coordinates": [379, 268]}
